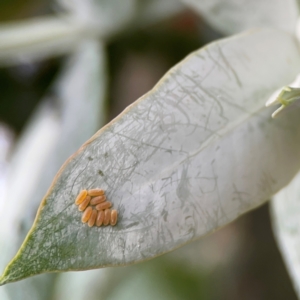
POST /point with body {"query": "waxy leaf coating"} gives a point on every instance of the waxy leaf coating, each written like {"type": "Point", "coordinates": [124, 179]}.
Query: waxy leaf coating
{"type": "Point", "coordinates": [190, 156]}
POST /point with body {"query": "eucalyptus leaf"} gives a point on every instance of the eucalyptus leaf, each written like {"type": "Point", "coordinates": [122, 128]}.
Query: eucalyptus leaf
{"type": "Point", "coordinates": [190, 156]}
{"type": "Point", "coordinates": [285, 211]}
{"type": "Point", "coordinates": [233, 16]}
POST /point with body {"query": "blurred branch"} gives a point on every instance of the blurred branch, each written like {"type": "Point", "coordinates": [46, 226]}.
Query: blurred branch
{"type": "Point", "coordinates": [40, 38]}
{"type": "Point", "coordinates": [151, 12]}
{"type": "Point", "coordinates": [44, 37]}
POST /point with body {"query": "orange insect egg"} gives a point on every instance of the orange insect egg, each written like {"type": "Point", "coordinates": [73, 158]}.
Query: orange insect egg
{"type": "Point", "coordinates": [81, 196]}
{"type": "Point", "coordinates": [95, 192]}
{"type": "Point", "coordinates": [92, 218]}
{"type": "Point", "coordinates": [103, 205]}
{"type": "Point", "coordinates": [86, 215]}
{"type": "Point", "coordinates": [100, 218]}
{"type": "Point", "coordinates": [98, 200]}
{"type": "Point", "coordinates": [106, 217]}
{"type": "Point", "coordinates": [113, 217]}
{"type": "Point", "coordinates": [84, 204]}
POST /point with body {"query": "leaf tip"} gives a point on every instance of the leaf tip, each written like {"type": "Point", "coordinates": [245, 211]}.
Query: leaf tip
{"type": "Point", "coordinates": [4, 279]}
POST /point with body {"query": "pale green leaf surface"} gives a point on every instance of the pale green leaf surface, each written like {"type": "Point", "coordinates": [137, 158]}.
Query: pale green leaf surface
{"type": "Point", "coordinates": [233, 16]}
{"type": "Point", "coordinates": [285, 211]}
{"type": "Point", "coordinates": [190, 156]}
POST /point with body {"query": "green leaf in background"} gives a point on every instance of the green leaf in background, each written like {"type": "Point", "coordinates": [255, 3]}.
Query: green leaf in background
{"type": "Point", "coordinates": [190, 156]}
{"type": "Point", "coordinates": [231, 16]}
{"type": "Point", "coordinates": [286, 223]}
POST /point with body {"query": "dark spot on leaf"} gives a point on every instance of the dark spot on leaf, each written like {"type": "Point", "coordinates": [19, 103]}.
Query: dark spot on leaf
{"type": "Point", "coordinates": [100, 173]}
{"type": "Point", "coordinates": [90, 158]}
{"type": "Point", "coordinates": [105, 154]}
{"type": "Point", "coordinates": [165, 215]}
{"type": "Point", "coordinates": [131, 225]}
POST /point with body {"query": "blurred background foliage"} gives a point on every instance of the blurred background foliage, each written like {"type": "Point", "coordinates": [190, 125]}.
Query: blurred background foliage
{"type": "Point", "coordinates": [240, 261]}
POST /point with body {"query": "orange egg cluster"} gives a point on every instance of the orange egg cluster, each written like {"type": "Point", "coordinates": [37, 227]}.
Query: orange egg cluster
{"type": "Point", "coordinates": [96, 210]}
